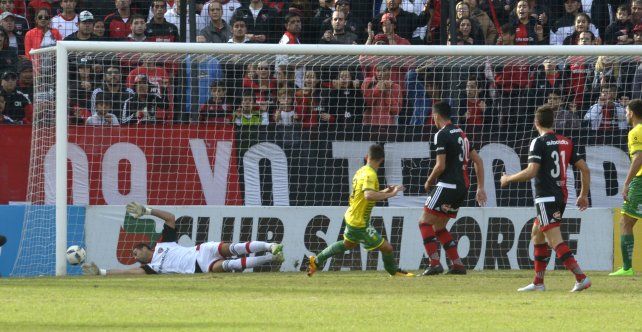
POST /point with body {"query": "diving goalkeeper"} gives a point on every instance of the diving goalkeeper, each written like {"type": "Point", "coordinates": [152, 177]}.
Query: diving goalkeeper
{"type": "Point", "coordinates": [167, 256]}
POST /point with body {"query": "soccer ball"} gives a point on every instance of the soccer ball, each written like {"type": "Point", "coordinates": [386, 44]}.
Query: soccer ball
{"type": "Point", "coordinates": [76, 255]}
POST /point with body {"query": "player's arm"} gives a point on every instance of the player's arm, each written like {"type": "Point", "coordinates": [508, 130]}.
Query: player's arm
{"type": "Point", "coordinates": [373, 195]}
{"type": "Point", "coordinates": [524, 175]}
{"type": "Point", "coordinates": [585, 179]}
{"type": "Point", "coordinates": [440, 167]}
{"type": "Point", "coordinates": [93, 269]}
{"type": "Point", "coordinates": [478, 164]}
{"type": "Point", "coordinates": [138, 210]}
{"type": "Point", "coordinates": [636, 164]}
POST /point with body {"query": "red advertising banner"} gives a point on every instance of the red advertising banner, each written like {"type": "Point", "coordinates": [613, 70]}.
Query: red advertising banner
{"type": "Point", "coordinates": [14, 148]}
{"type": "Point", "coordinates": [177, 165]}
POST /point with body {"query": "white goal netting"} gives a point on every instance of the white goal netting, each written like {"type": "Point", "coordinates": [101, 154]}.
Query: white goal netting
{"type": "Point", "coordinates": [290, 130]}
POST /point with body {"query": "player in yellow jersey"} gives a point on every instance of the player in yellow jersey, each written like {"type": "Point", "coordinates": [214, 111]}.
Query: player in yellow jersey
{"type": "Point", "coordinates": [365, 192]}
{"type": "Point", "coordinates": [632, 192]}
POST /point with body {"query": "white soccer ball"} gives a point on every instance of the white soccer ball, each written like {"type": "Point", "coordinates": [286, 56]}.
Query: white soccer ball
{"type": "Point", "coordinates": [76, 255]}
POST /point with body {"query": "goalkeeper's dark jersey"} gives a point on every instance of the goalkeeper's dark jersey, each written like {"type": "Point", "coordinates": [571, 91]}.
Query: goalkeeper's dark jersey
{"type": "Point", "coordinates": [451, 141]}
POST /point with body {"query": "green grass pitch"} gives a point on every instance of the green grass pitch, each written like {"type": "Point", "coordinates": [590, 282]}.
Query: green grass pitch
{"type": "Point", "coordinates": [339, 301]}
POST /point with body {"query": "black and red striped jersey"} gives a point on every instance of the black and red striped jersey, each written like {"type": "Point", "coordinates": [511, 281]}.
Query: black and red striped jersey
{"type": "Point", "coordinates": [161, 32]}
{"type": "Point", "coordinates": [554, 153]}
{"type": "Point", "coordinates": [452, 141]}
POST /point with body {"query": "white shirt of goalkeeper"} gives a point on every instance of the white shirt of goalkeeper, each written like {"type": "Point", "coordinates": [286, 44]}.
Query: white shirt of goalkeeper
{"type": "Point", "coordinates": [170, 257]}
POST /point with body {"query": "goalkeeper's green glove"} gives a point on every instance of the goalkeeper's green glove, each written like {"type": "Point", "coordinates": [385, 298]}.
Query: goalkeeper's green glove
{"type": "Point", "coordinates": [91, 269]}
{"type": "Point", "coordinates": [138, 210]}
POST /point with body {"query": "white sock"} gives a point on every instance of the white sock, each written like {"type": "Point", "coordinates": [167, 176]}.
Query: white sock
{"type": "Point", "coordinates": [240, 264]}
{"type": "Point", "coordinates": [249, 247]}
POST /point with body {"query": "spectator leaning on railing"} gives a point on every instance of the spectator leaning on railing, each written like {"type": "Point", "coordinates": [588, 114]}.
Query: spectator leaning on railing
{"type": "Point", "coordinates": [117, 24]}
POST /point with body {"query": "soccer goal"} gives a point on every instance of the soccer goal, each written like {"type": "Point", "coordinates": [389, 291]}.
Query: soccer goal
{"type": "Point", "coordinates": [253, 125]}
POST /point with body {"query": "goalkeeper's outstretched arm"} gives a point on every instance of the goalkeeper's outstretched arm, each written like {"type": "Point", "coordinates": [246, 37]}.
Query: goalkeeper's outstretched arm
{"type": "Point", "coordinates": [93, 269]}
{"type": "Point", "coordinates": [138, 210]}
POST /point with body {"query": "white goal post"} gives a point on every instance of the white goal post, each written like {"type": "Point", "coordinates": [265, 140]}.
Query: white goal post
{"type": "Point", "coordinates": [441, 53]}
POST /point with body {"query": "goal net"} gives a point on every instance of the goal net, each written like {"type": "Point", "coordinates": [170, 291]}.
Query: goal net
{"type": "Point", "coordinates": [267, 125]}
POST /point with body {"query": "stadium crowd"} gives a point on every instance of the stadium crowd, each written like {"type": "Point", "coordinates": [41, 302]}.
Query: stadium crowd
{"type": "Point", "coordinates": [587, 92]}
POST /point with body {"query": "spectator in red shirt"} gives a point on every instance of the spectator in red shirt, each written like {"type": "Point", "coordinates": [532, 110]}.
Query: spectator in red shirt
{"type": "Point", "coordinates": [42, 35]}
{"type": "Point", "coordinates": [307, 102]}
{"type": "Point", "coordinates": [382, 97]}
{"type": "Point", "coordinates": [581, 74]}
{"type": "Point", "coordinates": [117, 24]}
{"type": "Point", "coordinates": [474, 109]}
{"type": "Point", "coordinates": [216, 109]}
{"type": "Point", "coordinates": [528, 31]}
{"type": "Point", "coordinates": [263, 86]}
{"type": "Point", "coordinates": [389, 36]}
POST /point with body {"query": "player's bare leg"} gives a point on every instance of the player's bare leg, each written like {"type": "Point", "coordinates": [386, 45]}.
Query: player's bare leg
{"type": "Point", "coordinates": [564, 254]}
{"type": "Point", "coordinates": [230, 264]}
{"type": "Point", "coordinates": [430, 244]}
{"type": "Point", "coordinates": [542, 255]}
{"type": "Point", "coordinates": [387, 253]}
{"type": "Point", "coordinates": [336, 248]}
{"type": "Point", "coordinates": [626, 246]}
{"type": "Point", "coordinates": [450, 246]}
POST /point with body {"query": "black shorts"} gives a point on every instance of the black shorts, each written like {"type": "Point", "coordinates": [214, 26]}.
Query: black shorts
{"type": "Point", "coordinates": [445, 199]}
{"type": "Point", "coordinates": [549, 211]}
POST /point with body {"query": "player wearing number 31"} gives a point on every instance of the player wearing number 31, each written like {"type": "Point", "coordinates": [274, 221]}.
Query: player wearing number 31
{"type": "Point", "coordinates": [449, 177]}
{"type": "Point", "coordinates": [167, 256]}
{"type": "Point", "coordinates": [548, 158]}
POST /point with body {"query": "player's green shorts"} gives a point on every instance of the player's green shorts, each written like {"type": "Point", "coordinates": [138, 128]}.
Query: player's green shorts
{"type": "Point", "coordinates": [632, 207]}
{"type": "Point", "coordinates": [369, 237]}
